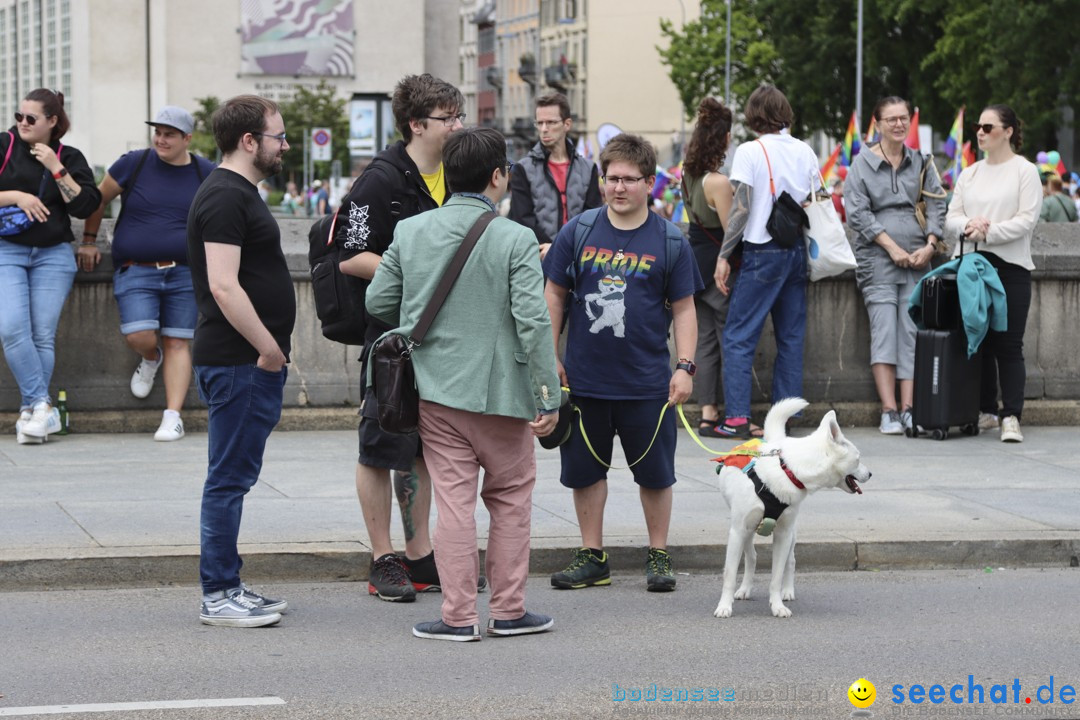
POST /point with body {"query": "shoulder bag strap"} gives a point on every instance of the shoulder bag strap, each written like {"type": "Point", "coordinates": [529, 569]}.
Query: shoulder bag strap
{"type": "Point", "coordinates": [456, 264]}
{"type": "Point", "coordinates": [772, 187]}
{"type": "Point", "coordinates": [693, 215]}
{"type": "Point", "coordinates": [7, 156]}
{"type": "Point", "coordinates": [929, 162]}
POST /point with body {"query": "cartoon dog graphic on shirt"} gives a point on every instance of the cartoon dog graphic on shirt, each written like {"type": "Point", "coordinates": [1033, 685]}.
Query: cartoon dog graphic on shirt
{"type": "Point", "coordinates": [610, 303]}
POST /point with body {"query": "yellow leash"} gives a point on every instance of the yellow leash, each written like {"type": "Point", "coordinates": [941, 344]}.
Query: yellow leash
{"type": "Point", "coordinates": [656, 432]}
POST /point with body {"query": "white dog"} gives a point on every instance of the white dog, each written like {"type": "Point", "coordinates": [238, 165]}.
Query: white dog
{"type": "Point", "coordinates": [824, 459]}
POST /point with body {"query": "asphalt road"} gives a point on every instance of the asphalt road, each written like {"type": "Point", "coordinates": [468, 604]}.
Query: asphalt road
{"type": "Point", "coordinates": [340, 654]}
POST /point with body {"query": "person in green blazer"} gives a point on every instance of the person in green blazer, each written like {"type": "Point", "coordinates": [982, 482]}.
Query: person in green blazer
{"type": "Point", "coordinates": [487, 379]}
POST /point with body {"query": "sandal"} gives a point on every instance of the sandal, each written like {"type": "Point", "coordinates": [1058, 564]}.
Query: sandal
{"type": "Point", "coordinates": [746, 431]}
{"type": "Point", "coordinates": [707, 428]}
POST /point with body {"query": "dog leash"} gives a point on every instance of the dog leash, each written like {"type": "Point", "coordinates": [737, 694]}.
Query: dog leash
{"type": "Point", "coordinates": [738, 450]}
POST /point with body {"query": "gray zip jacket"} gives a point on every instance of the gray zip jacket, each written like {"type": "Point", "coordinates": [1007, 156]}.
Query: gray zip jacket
{"type": "Point", "coordinates": [535, 202]}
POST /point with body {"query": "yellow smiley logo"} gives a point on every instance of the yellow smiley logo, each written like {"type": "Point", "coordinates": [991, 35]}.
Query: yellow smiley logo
{"type": "Point", "coordinates": [862, 693]}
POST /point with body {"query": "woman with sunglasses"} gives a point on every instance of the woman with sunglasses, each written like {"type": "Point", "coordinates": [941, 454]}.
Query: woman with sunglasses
{"type": "Point", "coordinates": [995, 207]}
{"type": "Point", "coordinates": [893, 250]}
{"type": "Point", "coordinates": [48, 182]}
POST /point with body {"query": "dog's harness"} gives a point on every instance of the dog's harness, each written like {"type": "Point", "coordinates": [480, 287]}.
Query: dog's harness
{"type": "Point", "coordinates": [744, 457]}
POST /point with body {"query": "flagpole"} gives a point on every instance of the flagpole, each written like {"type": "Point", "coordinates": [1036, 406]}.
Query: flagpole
{"type": "Point", "coordinates": [727, 60]}
{"type": "Point", "coordinates": [858, 65]}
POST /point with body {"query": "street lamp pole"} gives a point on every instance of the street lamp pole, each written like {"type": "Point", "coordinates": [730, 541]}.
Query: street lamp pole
{"type": "Point", "coordinates": [727, 59]}
{"type": "Point", "coordinates": [682, 110]}
{"type": "Point", "coordinates": [858, 67]}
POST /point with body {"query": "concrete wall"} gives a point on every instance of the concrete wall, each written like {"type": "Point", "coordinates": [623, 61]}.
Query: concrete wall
{"type": "Point", "coordinates": [95, 366]}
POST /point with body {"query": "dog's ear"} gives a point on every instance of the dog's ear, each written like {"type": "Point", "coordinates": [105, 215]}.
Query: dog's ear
{"type": "Point", "coordinates": [832, 428]}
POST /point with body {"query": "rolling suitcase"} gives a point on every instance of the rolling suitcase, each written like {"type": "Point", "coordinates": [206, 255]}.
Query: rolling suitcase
{"type": "Point", "coordinates": [946, 384]}
{"type": "Point", "coordinates": [941, 302]}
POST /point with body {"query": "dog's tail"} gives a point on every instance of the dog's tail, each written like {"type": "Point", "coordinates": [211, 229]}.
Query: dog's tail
{"type": "Point", "coordinates": [777, 418]}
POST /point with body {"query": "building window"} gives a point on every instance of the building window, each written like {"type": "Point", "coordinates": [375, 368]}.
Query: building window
{"type": "Point", "coordinates": [486, 40]}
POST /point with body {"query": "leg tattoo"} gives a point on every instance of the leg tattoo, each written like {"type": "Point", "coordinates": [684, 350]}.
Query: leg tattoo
{"type": "Point", "coordinates": [405, 485]}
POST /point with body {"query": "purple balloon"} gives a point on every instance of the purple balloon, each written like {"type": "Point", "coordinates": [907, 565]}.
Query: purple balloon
{"type": "Point", "coordinates": [1042, 157]}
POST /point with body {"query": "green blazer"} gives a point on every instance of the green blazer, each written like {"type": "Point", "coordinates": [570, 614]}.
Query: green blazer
{"type": "Point", "coordinates": [490, 348]}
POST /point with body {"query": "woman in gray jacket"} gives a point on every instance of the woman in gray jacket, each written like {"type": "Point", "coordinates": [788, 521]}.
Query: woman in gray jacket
{"type": "Point", "coordinates": [893, 250]}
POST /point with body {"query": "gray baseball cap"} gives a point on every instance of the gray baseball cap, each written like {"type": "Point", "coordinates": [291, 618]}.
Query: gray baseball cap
{"type": "Point", "coordinates": [174, 117]}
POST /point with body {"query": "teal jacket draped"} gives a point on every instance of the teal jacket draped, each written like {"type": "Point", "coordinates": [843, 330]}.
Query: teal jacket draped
{"type": "Point", "coordinates": [982, 298]}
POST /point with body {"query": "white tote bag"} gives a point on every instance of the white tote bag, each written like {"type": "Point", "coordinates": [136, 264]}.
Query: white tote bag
{"type": "Point", "coordinates": [827, 247]}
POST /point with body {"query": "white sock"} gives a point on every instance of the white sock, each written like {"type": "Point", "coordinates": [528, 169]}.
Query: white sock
{"type": "Point", "coordinates": [170, 415]}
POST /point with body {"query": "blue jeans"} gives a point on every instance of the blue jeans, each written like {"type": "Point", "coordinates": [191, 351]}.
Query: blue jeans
{"type": "Point", "coordinates": [771, 281]}
{"type": "Point", "coordinates": [245, 405]}
{"type": "Point", "coordinates": [34, 283]}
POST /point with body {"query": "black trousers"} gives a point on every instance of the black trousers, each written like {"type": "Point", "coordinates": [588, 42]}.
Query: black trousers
{"type": "Point", "coordinates": [1003, 352]}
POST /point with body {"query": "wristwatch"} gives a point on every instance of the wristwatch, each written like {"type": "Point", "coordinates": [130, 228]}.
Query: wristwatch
{"type": "Point", "coordinates": [60, 173]}
{"type": "Point", "coordinates": [687, 365]}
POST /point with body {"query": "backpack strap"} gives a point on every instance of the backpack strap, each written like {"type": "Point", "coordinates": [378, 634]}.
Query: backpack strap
{"type": "Point", "coordinates": [130, 186]}
{"type": "Point", "coordinates": [198, 167]}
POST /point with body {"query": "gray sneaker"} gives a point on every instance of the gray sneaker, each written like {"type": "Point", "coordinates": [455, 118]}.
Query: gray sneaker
{"type": "Point", "coordinates": [235, 611]}
{"type": "Point", "coordinates": [891, 424]}
{"type": "Point", "coordinates": [988, 421]}
{"type": "Point", "coordinates": [260, 601]}
{"type": "Point", "coordinates": [1010, 430]}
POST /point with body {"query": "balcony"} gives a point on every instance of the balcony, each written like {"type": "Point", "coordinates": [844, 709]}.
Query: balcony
{"type": "Point", "coordinates": [527, 69]}
{"type": "Point", "coordinates": [522, 127]}
{"type": "Point", "coordinates": [494, 77]}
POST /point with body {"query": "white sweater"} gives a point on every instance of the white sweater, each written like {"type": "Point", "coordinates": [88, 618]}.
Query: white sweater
{"type": "Point", "coordinates": [1009, 195]}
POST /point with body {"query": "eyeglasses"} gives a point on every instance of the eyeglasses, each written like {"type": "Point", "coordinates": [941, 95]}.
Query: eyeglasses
{"type": "Point", "coordinates": [280, 137]}
{"type": "Point", "coordinates": [509, 166]}
{"type": "Point", "coordinates": [628, 182]}
{"type": "Point", "coordinates": [541, 124]}
{"type": "Point", "coordinates": [449, 120]}
{"type": "Point", "coordinates": [30, 119]}
{"type": "Point", "coordinates": [986, 127]}
{"type": "Point", "coordinates": [899, 120]}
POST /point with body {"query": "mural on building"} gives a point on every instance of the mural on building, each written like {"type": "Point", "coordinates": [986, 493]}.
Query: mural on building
{"type": "Point", "coordinates": [297, 37]}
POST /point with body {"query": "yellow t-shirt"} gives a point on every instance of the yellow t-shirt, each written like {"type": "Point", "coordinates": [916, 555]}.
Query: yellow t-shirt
{"type": "Point", "coordinates": [435, 185]}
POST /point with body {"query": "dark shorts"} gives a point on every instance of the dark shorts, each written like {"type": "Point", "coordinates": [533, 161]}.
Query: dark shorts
{"type": "Point", "coordinates": [634, 421]}
{"type": "Point", "coordinates": [382, 449]}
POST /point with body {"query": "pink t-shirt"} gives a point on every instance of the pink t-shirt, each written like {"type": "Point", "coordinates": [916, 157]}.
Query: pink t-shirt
{"type": "Point", "coordinates": [558, 174]}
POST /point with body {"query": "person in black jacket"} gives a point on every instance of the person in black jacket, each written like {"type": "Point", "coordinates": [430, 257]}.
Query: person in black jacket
{"type": "Point", "coordinates": [48, 182]}
{"type": "Point", "coordinates": [404, 180]}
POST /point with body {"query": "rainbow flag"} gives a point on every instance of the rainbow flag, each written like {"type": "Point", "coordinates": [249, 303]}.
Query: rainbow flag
{"type": "Point", "coordinates": [913, 134]}
{"type": "Point", "coordinates": [872, 134]}
{"type": "Point", "coordinates": [828, 170]}
{"type": "Point", "coordinates": [851, 141]}
{"type": "Point", "coordinates": [967, 156]}
{"type": "Point", "coordinates": [954, 144]}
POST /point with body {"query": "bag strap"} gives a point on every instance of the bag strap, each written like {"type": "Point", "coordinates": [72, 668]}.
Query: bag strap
{"type": "Point", "coordinates": [772, 187]}
{"type": "Point", "coordinates": [7, 156]}
{"type": "Point", "coordinates": [456, 264]}
{"type": "Point", "coordinates": [929, 162]}
{"type": "Point", "coordinates": [693, 215]}
{"type": "Point", "coordinates": [130, 186]}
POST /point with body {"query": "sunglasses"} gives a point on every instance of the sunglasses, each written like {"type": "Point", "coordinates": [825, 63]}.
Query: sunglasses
{"type": "Point", "coordinates": [985, 127]}
{"type": "Point", "coordinates": [30, 119]}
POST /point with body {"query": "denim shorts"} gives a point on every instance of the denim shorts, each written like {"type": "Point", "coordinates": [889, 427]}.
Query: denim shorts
{"type": "Point", "coordinates": [152, 299]}
{"type": "Point", "coordinates": [380, 449]}
{"type": "Point", "coordinates": [634, 421]}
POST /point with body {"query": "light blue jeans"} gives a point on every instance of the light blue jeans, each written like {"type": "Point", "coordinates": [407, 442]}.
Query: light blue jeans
{"type": "Point", "coordinates": [34, 283]}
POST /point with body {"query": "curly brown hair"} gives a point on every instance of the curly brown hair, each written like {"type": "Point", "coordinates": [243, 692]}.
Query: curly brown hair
{"type": "Point", "coordinates": [708, 145]}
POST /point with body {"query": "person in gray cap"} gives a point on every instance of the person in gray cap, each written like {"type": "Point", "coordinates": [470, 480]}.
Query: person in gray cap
{"type": "Point", "coordinates": [151, 280]}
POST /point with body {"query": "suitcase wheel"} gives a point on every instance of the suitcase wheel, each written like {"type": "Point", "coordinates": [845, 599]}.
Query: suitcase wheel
{"type": "Point", "coordinates": [939, 434]}
{"type": "Point", "coordinates": [971, 429]}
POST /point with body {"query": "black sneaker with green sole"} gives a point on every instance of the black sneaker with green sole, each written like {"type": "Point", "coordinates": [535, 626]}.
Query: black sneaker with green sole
{"type": "Point", "coordinates": [659, 574]}
{"type": "Point", "coordinates": [584, 570]}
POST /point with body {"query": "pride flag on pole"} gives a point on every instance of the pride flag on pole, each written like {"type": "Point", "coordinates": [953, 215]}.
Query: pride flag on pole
{"type": "Point", "coordinates": [967, 157]}
{"type": "Point", "coordinates": [828, 170]}
{"type": "Point", "coordinates": [954, 144]}
{"type": "Point", "coordinates": [913, 134]}
{"type": "Point", "coordinates": [852, 143]}
{"type": "Point", "coordinates": [872, 135]}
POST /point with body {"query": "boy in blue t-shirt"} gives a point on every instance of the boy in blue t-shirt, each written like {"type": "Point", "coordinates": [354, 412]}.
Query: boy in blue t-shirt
{"type": "Point", "coordinates": [627, 289]}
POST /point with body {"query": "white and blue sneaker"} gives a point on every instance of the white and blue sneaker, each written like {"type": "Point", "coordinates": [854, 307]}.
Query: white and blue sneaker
{"type": "Point", "coordinates": [235, 610]}
{"type": "Point", "coordinates": [21, 437]}
{"type": "Point", "coordinates": [44, 420]}
{"type": "Point", "coordinates": [260, 601]}
{"type": "Point", "coordinates": [891, 423]}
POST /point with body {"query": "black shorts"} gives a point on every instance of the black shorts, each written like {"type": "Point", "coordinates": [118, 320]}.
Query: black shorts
{"type": "Point", "coordinates": [382, 449]}
{"type": "Point", "coordinates": [634, 421]}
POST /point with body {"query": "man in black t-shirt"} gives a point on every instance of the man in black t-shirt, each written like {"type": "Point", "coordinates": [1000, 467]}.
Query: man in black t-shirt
{"type": "Point", "coordinates": [246, 313]}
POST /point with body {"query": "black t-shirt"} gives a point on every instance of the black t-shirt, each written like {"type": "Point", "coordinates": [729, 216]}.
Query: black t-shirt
{"type": "Point", "coordinates": [227, 209]}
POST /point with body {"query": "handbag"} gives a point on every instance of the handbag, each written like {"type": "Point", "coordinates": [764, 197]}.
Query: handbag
{"type": "Point", "coordinates": [393, 377]}
{"type": "Point", "coordinates": [828, 250]}
{"type": "Point", "coordinates": [940, 247]}
{"type": "Point", "coordinates": [13, 219]}
{"type": "Point", "coordinates": [787, 218]}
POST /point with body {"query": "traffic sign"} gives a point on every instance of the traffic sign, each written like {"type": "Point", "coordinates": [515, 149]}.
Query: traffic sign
{"type": "Point", "coordinates": [320, 144]}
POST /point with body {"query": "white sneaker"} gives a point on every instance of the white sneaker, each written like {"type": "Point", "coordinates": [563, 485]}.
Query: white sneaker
{"type": "Point", "coordinates": [890, 423]}
{"type": "Point", "coordinates": [171, 429]}
{"type": "Point", "coordinates": [988, 421]}
{"type": "Point", "coordinates": [21, 437]}
{"type": "Point", "coordinates": [142, 382]}
{"type": "Point", "coordinates": [1010, 430]}
{"type": "Point", "coordinates": [43, 420]}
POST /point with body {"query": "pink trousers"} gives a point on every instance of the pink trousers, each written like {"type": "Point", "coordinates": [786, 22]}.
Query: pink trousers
{"type": "Point", "coordinates": [456, 445]}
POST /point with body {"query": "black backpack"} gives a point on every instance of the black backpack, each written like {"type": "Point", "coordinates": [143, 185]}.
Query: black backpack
{"type": "Point", "coordinates": [339, 298]}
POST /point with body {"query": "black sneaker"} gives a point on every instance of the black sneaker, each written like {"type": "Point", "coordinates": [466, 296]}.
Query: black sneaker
{"type": "Point", "coordinates": [659, 575]}
{"type": "Point", "coordinates": [424, 575]}
{"type": "Point", "coordinates": [526, 624]}
{"type": "Point", "coordinates": [438, 630]}
{"type": "Point", "coordinates": [584, 570]}
{"type": "Point", "coordinates": [389, 580]}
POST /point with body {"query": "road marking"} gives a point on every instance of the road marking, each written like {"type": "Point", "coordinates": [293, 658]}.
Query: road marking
{"type": "Point", "coordinates": [129, 706]}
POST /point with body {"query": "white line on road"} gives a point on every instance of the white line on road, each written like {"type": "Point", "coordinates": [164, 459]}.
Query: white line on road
{"type": "Point", "coordinates": [129, 706]}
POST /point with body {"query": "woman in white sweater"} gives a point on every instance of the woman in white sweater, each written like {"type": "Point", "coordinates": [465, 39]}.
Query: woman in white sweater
{"type": "Point", "coordinates": [995, 207]}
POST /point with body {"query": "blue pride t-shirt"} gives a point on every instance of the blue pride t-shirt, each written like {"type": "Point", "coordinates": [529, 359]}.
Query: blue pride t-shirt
{"type": "Point", "coordinates": [616, 346]}
{"type": "Point", "coordinates": [154, 222]}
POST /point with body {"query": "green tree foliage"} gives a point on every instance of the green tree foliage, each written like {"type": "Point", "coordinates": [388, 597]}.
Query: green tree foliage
{"type": "Point", "coordinates": [939, 55]}
{"type": "Point", "coordinates": [202, 138]}
{"type": "Point", "coordinates": [311, 108]}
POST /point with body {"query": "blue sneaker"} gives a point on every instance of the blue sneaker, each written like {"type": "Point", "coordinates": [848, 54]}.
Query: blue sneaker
{"type": "Point", "coordinates": [525, 625]}
{"type": "Point", "coordinates": [438, 630]}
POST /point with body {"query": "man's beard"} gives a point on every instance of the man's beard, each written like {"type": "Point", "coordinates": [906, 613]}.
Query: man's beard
{"type": "Point", "coordinates": [268, 164]}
